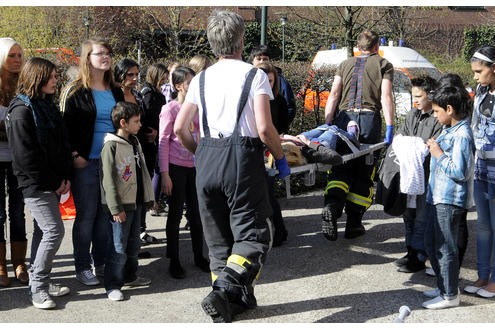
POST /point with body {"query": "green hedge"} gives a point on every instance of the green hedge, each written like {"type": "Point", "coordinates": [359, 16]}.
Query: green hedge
{"type": "Point", "coordinates": [476, 37]}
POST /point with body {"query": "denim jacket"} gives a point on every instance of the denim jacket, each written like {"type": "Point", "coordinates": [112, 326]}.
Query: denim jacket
{"type": "Point", "coordinates": [484, 140]}
{"type": "Point", "coordinates": [450, 174]}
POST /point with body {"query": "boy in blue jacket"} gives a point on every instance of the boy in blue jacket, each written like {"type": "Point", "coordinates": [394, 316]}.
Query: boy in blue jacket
{"type": "Point", "coordinates": [451, 169]}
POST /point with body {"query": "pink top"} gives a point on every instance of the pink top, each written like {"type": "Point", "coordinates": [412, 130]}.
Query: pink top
{"type": "Point", "coordinates": [170, 150]}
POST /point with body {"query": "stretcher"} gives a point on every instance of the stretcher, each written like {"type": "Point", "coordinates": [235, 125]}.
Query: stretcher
{"type": "Point", "coordinates": [309, 170]}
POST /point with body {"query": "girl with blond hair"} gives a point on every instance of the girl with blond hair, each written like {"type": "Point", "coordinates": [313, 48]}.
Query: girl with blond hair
{"type": "Point", "coordinates": [86, 104]}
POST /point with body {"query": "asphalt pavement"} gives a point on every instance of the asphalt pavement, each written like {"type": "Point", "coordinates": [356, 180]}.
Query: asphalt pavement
{"type": "Point", "coordinates": [307, 280]}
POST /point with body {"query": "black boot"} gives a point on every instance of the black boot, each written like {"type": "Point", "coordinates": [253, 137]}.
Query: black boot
{"type": "Point", "coordinates": [354, 227]}
{"type": "Point", "coordinates": [403, 260]}
{"type": "Point", "coordinates": [217, 305]}
{"type": "Point", "coordinates": [279, 237]}
{"type": "Point", "coordinates": [316, 153]}
{"type": "Point", "coordinates": [329, 223]}
{"type": "Point", "coordinates": [176, 270]}
{"type": "Point", "coordinates": [354, 232]}
{"type": "Point", "coordinates": [413, 264]}
{"type": "Point", "coordinates": [237, 281]}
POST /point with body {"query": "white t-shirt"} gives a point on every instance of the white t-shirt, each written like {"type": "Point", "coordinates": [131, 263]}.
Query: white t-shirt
{"type": "Point", "coordinates": [223, 87]}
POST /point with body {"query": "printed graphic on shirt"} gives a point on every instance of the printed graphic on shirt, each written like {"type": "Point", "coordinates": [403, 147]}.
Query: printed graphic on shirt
{"type": "Point", "coordinates": [127, 173]}
{"type": "Point", "coordinates": [125, 168]}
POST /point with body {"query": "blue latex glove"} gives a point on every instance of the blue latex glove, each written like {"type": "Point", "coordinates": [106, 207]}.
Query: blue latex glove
{"type": "Point", "coordinates": [282, 167]}
{"type": "Point", "coordinates": [389, 134]}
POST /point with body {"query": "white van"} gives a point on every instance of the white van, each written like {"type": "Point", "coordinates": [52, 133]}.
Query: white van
{"type": "Point", "coordinates": [407, 63]}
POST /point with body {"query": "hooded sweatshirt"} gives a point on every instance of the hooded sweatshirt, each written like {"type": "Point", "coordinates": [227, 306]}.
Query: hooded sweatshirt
{"type": "Point", "coordinates": [123, 174]}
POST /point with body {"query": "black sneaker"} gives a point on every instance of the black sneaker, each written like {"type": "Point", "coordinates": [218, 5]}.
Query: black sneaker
{"type": "Point", "coordinates": [216, 304]}
{"type": "Point", "coordinates": [147, 239]}
{"type": "Point", "coordinates": [328, 224]}
{"type": "Point", "coordinates": [351, 233]}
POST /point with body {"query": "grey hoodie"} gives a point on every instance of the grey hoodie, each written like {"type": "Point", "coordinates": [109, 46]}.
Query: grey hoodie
{"type": "Point", "coordinates": [118, 174]}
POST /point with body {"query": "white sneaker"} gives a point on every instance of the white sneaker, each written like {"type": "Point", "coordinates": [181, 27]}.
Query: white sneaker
{"type": "Point", "coordinates": [441, 303]}
{"type": "Point", "coordinates": [87, 277]}
{"type": "Point", "coordinates": [484, 293]}
{"type": "Point", "coordinates": [41, 300]}
{"type": "Point", "coordinates": [115, 295]}
{"type": "Point", "coordinates": [57, 290]}
{"type": "Point", "coordinates": [472, 289]}
{"type": "Point", "coordinates": [430, 272]}
{"type": "Point", "coordinates": [353, 128]}
{"type": "Point", "coordinates": [432, 293]}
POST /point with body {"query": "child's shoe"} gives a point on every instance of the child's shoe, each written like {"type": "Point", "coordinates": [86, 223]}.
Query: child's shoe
{"type": "Point", "coordinates": [115, 295]}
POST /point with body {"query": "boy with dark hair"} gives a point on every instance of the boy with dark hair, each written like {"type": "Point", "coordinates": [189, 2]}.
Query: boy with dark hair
{"type": "Point", "coordinates": [126, 187]}
{"type": "Point", "coordinates": [262, 54]}
{"type": "Point", "coordinates": [420, 122]}
{"type": "Point", "coordinates": [448, 196]}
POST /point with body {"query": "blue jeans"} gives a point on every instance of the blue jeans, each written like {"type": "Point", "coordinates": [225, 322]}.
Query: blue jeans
{"type": "Point", "coordinates": [91, 223]}
{"type": "Point", "coordinates": [414, 223]}
{"type": "Point", "coordinates": [47, 237]}
{"type": "Point", "coordinates": [441, 236]}
{"type": "Point", "coordinates": [16, 205]}
{"type": "Point", "coordinates": [122, 250]}
{"type": "Point", "coordinates": [325, 135]}
{"type": "Point", "coordinates": [484, 197]}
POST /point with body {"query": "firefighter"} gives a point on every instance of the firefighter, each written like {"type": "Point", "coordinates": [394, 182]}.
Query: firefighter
{"type": "Point", "coordinates": [362, 87]}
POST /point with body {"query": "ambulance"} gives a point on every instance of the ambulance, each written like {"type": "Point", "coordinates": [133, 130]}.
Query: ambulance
{"type": "Point", "coordinates": [407, 62]}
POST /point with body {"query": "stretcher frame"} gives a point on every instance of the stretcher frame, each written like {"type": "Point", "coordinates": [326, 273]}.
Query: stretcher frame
{"type": "Point", "coordinates": [309, 170]}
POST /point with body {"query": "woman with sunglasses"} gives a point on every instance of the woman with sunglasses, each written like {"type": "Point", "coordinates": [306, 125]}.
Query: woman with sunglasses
{"type": "Point", "coordinates": [86, 104]}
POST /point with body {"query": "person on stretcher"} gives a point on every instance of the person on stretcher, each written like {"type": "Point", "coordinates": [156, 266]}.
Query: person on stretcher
{"type": "Point", "coordinates": [325, 144]}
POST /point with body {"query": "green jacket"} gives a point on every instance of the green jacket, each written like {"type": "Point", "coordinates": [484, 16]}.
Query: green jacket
{"type": "Point", "coordinates": [118, 178]}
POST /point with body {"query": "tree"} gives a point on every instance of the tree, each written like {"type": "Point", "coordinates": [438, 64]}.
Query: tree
{"type": "Point", "coordinates": [349, 16]}
{"type": "Point", "coordinates": [178, 29]}
{"type": "Point", "coordinates": [40, 27]}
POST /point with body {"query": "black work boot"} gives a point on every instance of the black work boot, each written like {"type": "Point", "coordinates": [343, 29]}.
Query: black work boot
{"type": "Point", "coordinates": [217, 305]}
{"type": "Point", "coordinates": [354, 225]}
{"type": "Point", "coordinates": [241, 296]}
{"type": "Point", "coordinates": [329, 223]}
{"type": "Point", "coordinates": [354, 232]}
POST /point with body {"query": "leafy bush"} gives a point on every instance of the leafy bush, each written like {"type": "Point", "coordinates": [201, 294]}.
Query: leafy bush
{"type": "Point", "coordinates": [458, 65]}
{"type": "Point", "coordinates": [476, 37]}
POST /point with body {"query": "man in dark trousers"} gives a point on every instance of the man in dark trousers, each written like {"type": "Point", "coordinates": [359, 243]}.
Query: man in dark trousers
{"type": "Point", "coordinates": [232, 100]}
{"type": "Point", "coordinates": [362, 88]}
